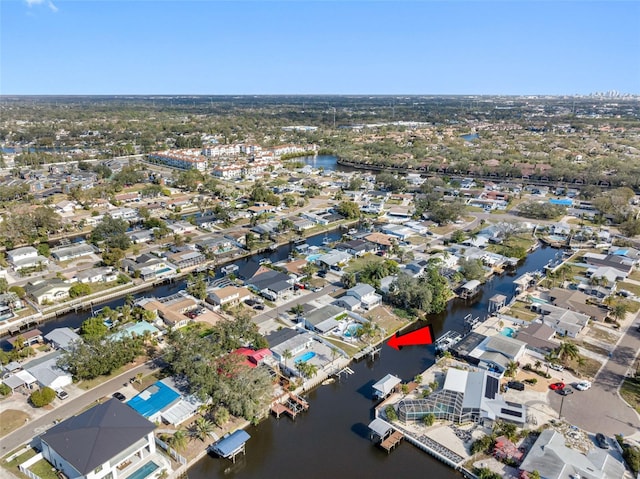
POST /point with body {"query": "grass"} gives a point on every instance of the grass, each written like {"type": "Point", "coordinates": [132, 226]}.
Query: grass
{"type": "Point", "coordinates": [603, 335]}
{"type": "Point", "coordinates": [347, 348]}
{"type": "Point", "coordinates": [88, 384]}
{"type": "Point", "coordinates": [589, 368]}
{"type": "Point", "coordinates": [630, 392]}
{"type": "Point", "coordinates": [634, 288]}
{"type": "Point", "coordinates": [13, 465]}
{"type": "Point", "coordinates": [593, 348]}
{"type": "Point", "coordinates": [359, 264]}
{"type": "Point", "coordinates": [11, 419]}
{"type": "Point", "coordinates": [635, 275]}
{"type": "Point", "coordinates": [521, 310]}
{"type": "Point", "coordinates": [43, 469]}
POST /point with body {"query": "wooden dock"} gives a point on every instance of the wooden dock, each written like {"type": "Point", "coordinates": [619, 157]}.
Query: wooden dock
{"type": "Point", "coordinates": [392, 441]}
{"type": "Point", "coordinates": [292, 405]}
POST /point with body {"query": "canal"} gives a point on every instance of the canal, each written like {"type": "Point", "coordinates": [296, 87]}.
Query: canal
{"type": "Point", "coordinates": [331, 439]}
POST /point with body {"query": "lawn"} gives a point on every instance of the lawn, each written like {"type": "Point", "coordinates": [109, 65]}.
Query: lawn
{"type": "Point", "coordinates": [347, 348]}
{"type": "Point", "coordinates": [635, 275]}
{"type": "Point", "coordinates": [13, 465]}
{"type": "Point", "coordinates": [88, 384]}
{"type": "Point", "coordinates": [634, 288]}
{"type": "Point", "coordinates": [359, 264]}
{"type": "Point", "coordinates": [588, 369]}
{"type": "Point", "coordinates": [11, 419]}
{"type": "Point", "coordinates": [630, 392]}
{"type": "Point", "coordinates": [520, 310]}
{"type": "Point", "coordinates": [44, 470]}
{"type": "Point", "coordinates": [603, 335]}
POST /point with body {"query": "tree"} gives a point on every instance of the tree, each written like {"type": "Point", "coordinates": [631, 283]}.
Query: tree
{"type": "Point", "coordinates": [349, 279]}
{"type": "Point", "coordinates": [297, 310]}
{"type": "Point", "coordinates": [179, 440]}
{"type": "Point", "coordinates": [93, 328]}
{"type": "Point", "coordinates": [221, 416]}
{"type": "Point", "coordinates": [471, 268]}
{"type": "Point", "coordinates": [18, 290]}
{"type": "Point", "coordinates": [4, 285]}
{"type": "Point", "coordinates": [79, 289]}
{"type": "Point", "coordinates": [202, 428]}
{"type": "Point", "coordinates": [512, 369]}
{"type": "Point", "coordinates": [391, 413]}
{"type": "Point", "coordinates": [198, 288]}
{"type": "Point", "coordinates": [42, 397]}
{"type": "Point", "coordinates": [429, 419]}
{"type": "Point", "coordinates": [619, 311]}
{"type": "Point", "coordinates": [567, 349]}
{"type": "Point", "coordinates": [250, 241]}
{"type": "Point", "coordinates": [348, 209]}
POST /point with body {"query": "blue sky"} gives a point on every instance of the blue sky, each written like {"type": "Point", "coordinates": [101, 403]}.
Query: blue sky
{"type": "Point", "coordinates": [326, 47]}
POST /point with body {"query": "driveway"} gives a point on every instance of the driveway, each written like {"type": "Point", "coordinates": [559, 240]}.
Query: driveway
{"type": "Point", "coordinates": [600, 408]}
{"type": "Point", "coordinates": [69, 408]}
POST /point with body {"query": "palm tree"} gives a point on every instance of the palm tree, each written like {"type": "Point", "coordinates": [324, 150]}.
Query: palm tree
{"type": "Point", "coordinates": [349, 279]}
{"type": "Point", "coordinates": [619, 311]}
{"type": "Point", "coordinates": [202, 428]}
{"type": "Point", "coordinates": [511, 369]}
{"type": "Point", "coordinates": [179, 440]}
{"type": "Point", "coordinates": [551, 358]}
{"type": "Point", "coordinates": [286, 354]}
{"type": "Point", "coordinates": [537, 364]}
{"type": "Point", "coordinates": [298, 309]}
{"type": "Point", "coordinates": [567, 349]}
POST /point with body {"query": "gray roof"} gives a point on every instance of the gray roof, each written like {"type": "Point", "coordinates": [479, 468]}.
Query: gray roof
{"type": "Point", "coordinates": [97, 435]}
{"type": "Point", "coordinates": [360, 290]}
{"type": "Point", "coordinates": [317, 316]}
{"type": "Point", "coordinates": [509, 347]}
{"type": "Point", "coordinates": [380, 427]}
{"type": "Point", "coordinates": [63, 337]}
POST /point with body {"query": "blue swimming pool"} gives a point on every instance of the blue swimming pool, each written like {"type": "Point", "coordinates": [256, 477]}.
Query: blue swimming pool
{"type": "Point", "coordinates": [509, 332]}
{"type": "Point", "coordinates": [312, 258]}
{"type": "Point", "coordinates": [144, 471]}
{"type": "Point", "coordinates": [352, 330]}
{"type": "Point", "coordinates": [303, 358]}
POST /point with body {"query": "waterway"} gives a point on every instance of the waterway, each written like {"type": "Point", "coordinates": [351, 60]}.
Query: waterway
{"type": "Point", "coordinates": [331, 439]}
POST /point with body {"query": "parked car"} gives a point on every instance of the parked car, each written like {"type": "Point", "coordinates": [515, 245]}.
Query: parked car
{"type": "Point", "coordinates": [119, 396]}
{"type": "Point", "coordinates": [62, 394]}
{"type": "Point", "coordinates": [517, 385]}
{"type": "Point", "coordinates": [583, 385]}
{"type": "Point", "coordinates": [259, 307]}
{"type": "Point", "coordinates": [556, 386]}
{"type": "Point", "coordinates": [601, 441]}
{"type": "Point", "coordinates": [556, 367]}
{"type": "Point", "coordinates": [566, 391]}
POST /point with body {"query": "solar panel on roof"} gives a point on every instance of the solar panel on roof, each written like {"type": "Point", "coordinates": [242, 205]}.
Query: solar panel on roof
{"type": "Point", "coordinates": [491, 387]}
{"type": "Point", "coordinates": [509, 412]}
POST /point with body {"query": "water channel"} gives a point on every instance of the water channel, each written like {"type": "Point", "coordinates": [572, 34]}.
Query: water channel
{"type": "Point", "coordinates": [331, 439]}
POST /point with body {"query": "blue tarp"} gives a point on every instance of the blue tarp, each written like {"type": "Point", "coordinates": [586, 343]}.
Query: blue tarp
{"type": "Point", "coordinates": [153, 399]}
{"type": "Point", "coordinates": [230, 444]}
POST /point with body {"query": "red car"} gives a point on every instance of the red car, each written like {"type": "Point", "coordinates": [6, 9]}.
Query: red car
{"type": "Point", "coordinates": [556, 386]}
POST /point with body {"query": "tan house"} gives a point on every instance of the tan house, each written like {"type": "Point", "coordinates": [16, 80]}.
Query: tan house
{"type": "Point", "coordinates": [230, 295]}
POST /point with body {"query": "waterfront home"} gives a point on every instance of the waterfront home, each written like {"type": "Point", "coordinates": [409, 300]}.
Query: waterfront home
{"type": "Point", "coordinates": [9, 303]}
{"type": "Point", "coordinates": [366, 294]}
{"type": "Point", "coordinates": [48, 290]}
{"type": "Point", "coordinates": [356, 247]}
{"type": "Point", "coordinates": [575, 301]}
{"type": "Point", "coordinates": [398, 231]}
{"type": "Point", "coordinates": [136, 329]}
{"type": "Point", "coordinates": [416, 268]}
{"type": "Point", "coordinates": [552, 459]}
{"type": "Point", "coordinates": [271, 284]}
{"type": "Point", "coordinates": [163, 402]}
{"type": "Point", "coordinates": [216, 244]}
{"type": "Point", "coordinates": [538, 337]}
{"type": "Point", "coordinates": [495, 353]}
{"type": "Point", "coordinates": [105, 274]}
{"type": "Point", "coordinates": [288, 342]}
{"type": "Point", "coordinates": [323, 320]}
{"type": "Point", "coordinates": [465, 396]}
{"type": "Point", "coordinates": [28, 338]}
{"type": "Point", "coordinates": [186, 258]}
{"type": "Point", "coordinates": [253, 358]}
{"type": "Point", "coordinates": [171, 309]}
{"type": "Point", "coordinates": [563, 321]}
{"type": "Point", "coordinates": [107, 440]}
{"type": "Point", "coordinates": [62, 338]}
{"type": "Point", "coordinates": [382, 241]}
{"type": "Point", "coordinates": [229, 295]}
{"type": "Point", "coordinates": [334, 259]}
{"type": "Point", "coordinates": [149, 267]}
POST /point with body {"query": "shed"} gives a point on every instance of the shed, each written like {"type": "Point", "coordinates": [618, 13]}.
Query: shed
{"type": "Point", "coordinates": [379, 430]}
{"type": "Point", "coordinates": [385, 386]}
{"type": "Point", "coordinates": [231, 445]}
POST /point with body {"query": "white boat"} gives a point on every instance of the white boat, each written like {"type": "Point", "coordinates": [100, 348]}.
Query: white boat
{"type": "Point", "coordinates": [326, 241]}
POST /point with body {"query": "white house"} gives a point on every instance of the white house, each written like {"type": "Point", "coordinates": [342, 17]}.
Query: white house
{"type": "Point", "coordinates": [366, 294]}
{"type": "Point", "coordinates": [108, 441]}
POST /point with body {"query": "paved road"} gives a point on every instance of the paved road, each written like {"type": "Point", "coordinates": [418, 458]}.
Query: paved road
{"type": "Point", "coordinates": [69, 408]}
{"type": "Point", "coordinates": [601, 409]}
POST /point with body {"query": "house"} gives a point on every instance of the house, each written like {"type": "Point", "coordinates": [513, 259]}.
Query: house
{"type": "Point", "coordinates": [61, 338]}
{"type": "Point", "coordinates": [149, 267]}
{"type": "Point", "coordinates": [271, 284]}
{"type": "Point", "coordinates": [366, 294]}
{"type": "Point", "coordinates": [495, 353]}
{"type": "Point", "coordinates": [47, 372]}
{"type": "Point", "coordinates": [563, 321]}
{"type": "Point", "coordinates": [186, 258]}
{"type": "Point", "coordinates": [110, 440]}
{"type": "Point", "coordinates": [465, 396]}
{"type": "Point", "coordinates": [48, 291]}
{"type": "Point", "coordinates": [142, 236]}
{"type": "Point", "coordinates": [78, 250]}
{"type": "Point", "coordinates": [382, 241]}
{"type": "Point", "coordinates": [230, 295]}
{"type": "Point", "coordinates": [181, 227]}
{"type": "Point", "coordinates": [9, 303]}
{"type": "Point", "coordinates": [28, 338]}
{"type": "Point", "coordinates": [334, 259]}
{"type": "Point", "coordinates": [217, 244]}
{"type": "Point", "coordinates": [288, 342]}
{"type": "Point", "coordinates": [323, 320]}
{"type": "Point", "coordinates": [105, 274]}
{"type": "Point", "coordinates": [538, 337]}
{"type": "Point", "coordinates": [355, 247]}
{"type": "Point", "coordinates": [25, 257]}
{"type": "Point", "coordinates": [65, 206]}
{"type": "Point", "coordinates": [253, 358]}
{"type": "Point", "coordinates": [350, 303]}
{"type": "Point", "coordinates": [171, 309]}
{"type": "Point", "coordinates": [575, 301]}
{"type": "Point", "coordinates": [550, 456]}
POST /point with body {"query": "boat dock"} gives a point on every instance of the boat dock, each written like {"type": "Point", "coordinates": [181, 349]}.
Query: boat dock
{"type": "Point", "coordinates": [369, 350]}
{"type": "Point", "coordinates": [291, 405]}
{"type": "Point", "coordinates": [392, 441]}
{"type": "Point", "coordinates": [448, 339]}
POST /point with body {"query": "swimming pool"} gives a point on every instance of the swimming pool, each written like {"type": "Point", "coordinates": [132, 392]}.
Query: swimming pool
{"type": "Point", "coordinates": [144, 471]}
{"type": "Point", "coordinates": [556, 238]}
{"type": "Point", "coordinates": [312, 258]}
{"type": "Point", "coordinates": [508, 332]}
{"type": "Point", "coordinates": [303, 358]}
{"type": "Point", "coordinates": [351, 330]}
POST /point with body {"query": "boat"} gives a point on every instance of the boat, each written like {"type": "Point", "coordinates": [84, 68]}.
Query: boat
{"type": "Point", "coordinates": [352, 231]}
{"type": "Point", "coordinates": [328, 381]}
{"type": "Point", "coordinates": [326, 241]}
